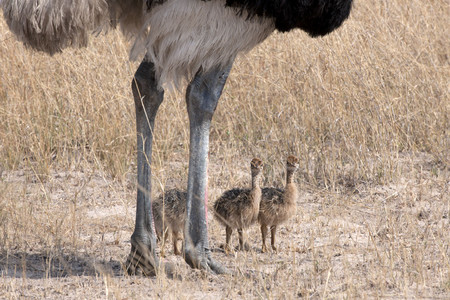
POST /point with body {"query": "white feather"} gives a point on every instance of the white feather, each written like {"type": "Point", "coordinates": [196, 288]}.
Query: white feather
{"type": "Point", "coordinates": [179, 36]}
{"type": "Point", "coordinates": [182, 36]}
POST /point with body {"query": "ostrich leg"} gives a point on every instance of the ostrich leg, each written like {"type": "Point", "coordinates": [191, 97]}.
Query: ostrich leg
{"type": "Point", "coordinates": [202, 96]}
{"type": "Point", "coordinates": [147, 99]}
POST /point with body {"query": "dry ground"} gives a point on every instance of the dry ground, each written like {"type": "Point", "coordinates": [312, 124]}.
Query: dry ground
{"type": "Point", "coordinates": [68, 238]}
{"type": "Point", "coordinates": [366, 109]}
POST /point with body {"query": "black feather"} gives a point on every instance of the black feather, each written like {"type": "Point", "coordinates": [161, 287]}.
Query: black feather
{"type": "Point", "coordinates": [316, 17]}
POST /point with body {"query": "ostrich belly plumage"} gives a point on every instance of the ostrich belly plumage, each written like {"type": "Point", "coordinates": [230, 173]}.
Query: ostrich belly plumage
{"type": "Point", "coordinates": [182, 36]}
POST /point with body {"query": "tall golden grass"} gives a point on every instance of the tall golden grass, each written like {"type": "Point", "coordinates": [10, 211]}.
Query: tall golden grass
{"type": "Point", "coordinates": [347, 104]}
{"type": "Point", "coordinates": [351, 105]}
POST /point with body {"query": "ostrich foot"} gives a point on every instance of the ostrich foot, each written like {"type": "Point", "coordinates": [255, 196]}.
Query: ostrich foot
{"type": "Point", "coordinates": [202, 260]}
{"type": "Point", "coordinates": [245, 247]}
{"type": "Point", "coordinates": [141, 261]}
{"type": "Point", "coordinates": [162, 253]}
{"type": "Point", "coordinates": [226, 248]}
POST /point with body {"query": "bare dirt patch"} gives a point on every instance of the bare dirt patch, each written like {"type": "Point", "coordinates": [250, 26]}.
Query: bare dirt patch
{"type": "Point", "coordinates": [68, 237]}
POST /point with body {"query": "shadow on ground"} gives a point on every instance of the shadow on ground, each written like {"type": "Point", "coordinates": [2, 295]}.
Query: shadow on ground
{"type": "Point", "coordinates": [50, 264]}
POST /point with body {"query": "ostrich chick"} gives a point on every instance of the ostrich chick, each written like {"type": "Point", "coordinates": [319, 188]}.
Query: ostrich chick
{"type": "Point", "coordinates": [278, 205]}
{"type": "Point", "coordinates": [169, 212]}
{"type": "Point", "coordinates": [239, 208]}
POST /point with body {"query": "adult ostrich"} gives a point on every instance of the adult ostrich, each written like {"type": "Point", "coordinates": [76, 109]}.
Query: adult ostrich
{"type": "Point", "coordinates": [182, 40]}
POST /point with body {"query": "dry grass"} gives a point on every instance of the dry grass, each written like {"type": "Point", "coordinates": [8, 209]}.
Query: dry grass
{"type": "Point", "coordinates": [366, 109]}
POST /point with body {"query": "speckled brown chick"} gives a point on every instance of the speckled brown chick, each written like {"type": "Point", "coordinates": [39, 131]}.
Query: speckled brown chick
{"type": "Point", "coordinates": [239, 208]}
{"type": "Point", "coordinates": [169, 212]}
{"type": "Point", "coordinates": [278, 205]}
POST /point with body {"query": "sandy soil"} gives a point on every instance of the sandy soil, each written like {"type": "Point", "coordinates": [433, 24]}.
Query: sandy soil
{"type": "Point", "coordinates": [67, 238]}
